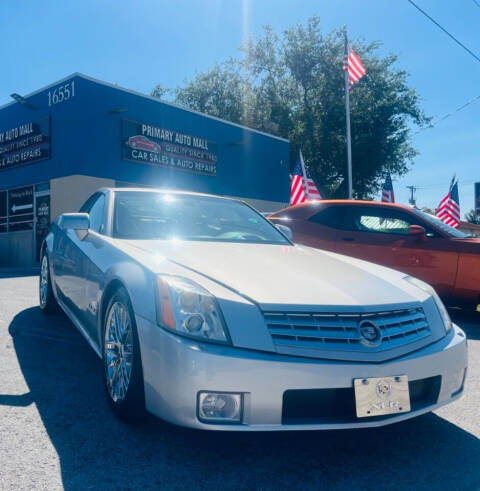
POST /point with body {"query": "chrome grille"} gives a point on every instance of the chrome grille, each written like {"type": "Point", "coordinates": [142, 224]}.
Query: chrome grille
{"type": "Point", "coordinates": [330, 331]}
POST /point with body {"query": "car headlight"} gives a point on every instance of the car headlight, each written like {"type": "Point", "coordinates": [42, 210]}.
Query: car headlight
{"type": "Point", "coordinates": [188, 309]}
{"type": "Point", "coordinates": [447, 322]}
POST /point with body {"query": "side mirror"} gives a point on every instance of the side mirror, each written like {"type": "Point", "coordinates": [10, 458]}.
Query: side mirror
{"type": "Point", "coordinates": [79, 222]}
{"type": "Point", "coordinates": [287, 231]}
{"type": "Point", "coordinates": [417, 231]}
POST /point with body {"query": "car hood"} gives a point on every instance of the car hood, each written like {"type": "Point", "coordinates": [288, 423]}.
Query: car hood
{"type": "Point", "coordinates": [286, 275]}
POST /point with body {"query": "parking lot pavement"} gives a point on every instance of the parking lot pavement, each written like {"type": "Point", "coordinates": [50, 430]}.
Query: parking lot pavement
{"type": "Point", "coordinates": [56, 430]}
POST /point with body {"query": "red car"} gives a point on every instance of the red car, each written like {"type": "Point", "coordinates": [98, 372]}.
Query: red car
{"type": "Point", "coordinates": [392, 235]}
{"type": "Point", "coordinates": [143, 143]}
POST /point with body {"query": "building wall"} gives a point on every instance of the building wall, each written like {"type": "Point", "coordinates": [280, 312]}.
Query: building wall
{"type": "Point", "coordinates": [85, 145]}
{"type": "Point", "coordinates": [265, 206]}
{"type": "Point", "coordinates": [87, 138]}
{"type": "Point", "coordinates": [67, 194]}
{"type": "Point", "coordinates": [17, 249]}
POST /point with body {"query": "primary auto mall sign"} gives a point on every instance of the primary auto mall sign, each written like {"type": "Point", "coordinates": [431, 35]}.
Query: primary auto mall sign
{"type": "Point", "coordinates": [168, 148]}
{"type": "Point", "coordinates": [25, 144]}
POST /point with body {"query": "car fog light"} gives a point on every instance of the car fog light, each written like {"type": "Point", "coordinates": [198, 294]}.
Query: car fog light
{"type": "Point", "coordinates": [220, 407]}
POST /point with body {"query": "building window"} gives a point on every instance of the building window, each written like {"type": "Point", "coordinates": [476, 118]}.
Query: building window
{"type": "Point", "coordinates": [20, 209]}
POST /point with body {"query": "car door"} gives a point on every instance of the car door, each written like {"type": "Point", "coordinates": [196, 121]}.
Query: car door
{"type": "Point", "coordinates": [320, 230]}
{"type": "Point", "coordinates": [364, 234]}
{"type": "Point", "coordinates": [72, 257]}
{"type": "Point", "coordinates": [67, 267]}
{"type": "Point", "coordinates": [92, 275]}
{"type": "Point", "coordinates": [380, 235]}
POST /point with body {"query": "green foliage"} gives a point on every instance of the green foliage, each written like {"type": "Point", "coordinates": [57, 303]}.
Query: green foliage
{"type": "Point", "coordinates": [293, 86]}
{"type": "Point", "coordinates": [159, 91]}
{"type": "Point", "coordinates": [472, 217]}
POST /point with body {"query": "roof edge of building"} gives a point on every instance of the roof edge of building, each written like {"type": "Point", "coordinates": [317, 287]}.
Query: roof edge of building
{"type": "Point", "coordinates": [140, 94]}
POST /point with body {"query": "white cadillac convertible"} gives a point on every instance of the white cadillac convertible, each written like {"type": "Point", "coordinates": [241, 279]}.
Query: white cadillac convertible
{"type": "Point", "coordinates": [205, 314]}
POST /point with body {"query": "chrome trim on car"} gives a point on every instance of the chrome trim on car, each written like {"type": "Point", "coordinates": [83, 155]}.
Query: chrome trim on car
{"type": "Point", "coordinates": [341, 331]}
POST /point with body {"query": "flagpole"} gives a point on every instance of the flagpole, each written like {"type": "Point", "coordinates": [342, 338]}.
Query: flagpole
{"type": "Point", "coordinates": [302, 163]}
{"type": "Point", "coordinates": [347, 114]}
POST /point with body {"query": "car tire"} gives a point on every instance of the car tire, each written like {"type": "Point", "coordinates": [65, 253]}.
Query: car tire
{"type": "Point", "coordinates": [48, 304]}
{"type": "Point", "coordinates": [122, 364]}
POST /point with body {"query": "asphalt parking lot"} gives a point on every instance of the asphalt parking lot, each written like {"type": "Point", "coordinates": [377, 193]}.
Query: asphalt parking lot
{"type": "Point", "coordinates": [56, 429]}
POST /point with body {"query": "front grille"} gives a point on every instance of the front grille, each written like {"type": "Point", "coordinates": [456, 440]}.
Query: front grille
{"type": "Point", "coordinates": [332, 331]}
{"type": "Point", "coordinates": [317, 406]}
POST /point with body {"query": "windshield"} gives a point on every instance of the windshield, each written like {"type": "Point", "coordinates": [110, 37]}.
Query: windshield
{"type": "Point", "coordinates": [151, 215]}
{"type": "Point", "coordinates": [452, 232]}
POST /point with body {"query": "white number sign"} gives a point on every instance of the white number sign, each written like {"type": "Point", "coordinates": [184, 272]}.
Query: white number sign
{"type": "Point", "coordinates": [62, 93]}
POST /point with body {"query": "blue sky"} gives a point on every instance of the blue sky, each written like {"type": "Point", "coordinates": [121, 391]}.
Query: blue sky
{"type": "Point", "coordinates": [138, 44]}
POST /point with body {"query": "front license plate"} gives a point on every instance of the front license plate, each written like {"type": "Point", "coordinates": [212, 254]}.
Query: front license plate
{"type": "Point", "coordinates": [379, 396]}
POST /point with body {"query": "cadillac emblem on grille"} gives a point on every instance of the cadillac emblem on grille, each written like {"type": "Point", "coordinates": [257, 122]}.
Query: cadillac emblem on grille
{"type": "Point", "coordinates": [370, 334]}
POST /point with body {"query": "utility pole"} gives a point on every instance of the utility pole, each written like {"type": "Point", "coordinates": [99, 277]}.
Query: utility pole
{"type": "Point", "coordinates": [413, 190]}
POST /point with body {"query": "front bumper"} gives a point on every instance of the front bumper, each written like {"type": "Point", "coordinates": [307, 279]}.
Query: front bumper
{"type": "Point", "coordinates": [176, 369]}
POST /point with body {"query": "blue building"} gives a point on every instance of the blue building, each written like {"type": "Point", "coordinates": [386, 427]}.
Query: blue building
{"type": "Point", "coordinates": [61, 143]}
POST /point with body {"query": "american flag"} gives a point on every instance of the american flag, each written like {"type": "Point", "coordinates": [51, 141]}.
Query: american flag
{"type": "Point", "coordinates": [388, 195]}
{"type": "Point", "coordinates": [449, 209]}
{"type": "Point", "coordinates": [297, 193]}
{"type": "Point", "coordinates": [353, 65]}
{"type": "Point", "coordinates": [311, 190]}
{"type": "Point", "coordinates": [303, 186]}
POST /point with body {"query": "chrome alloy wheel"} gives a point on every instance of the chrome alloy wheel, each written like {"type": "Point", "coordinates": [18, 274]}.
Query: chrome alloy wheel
{"type": "Point", "coordinates": [44, 281]}
{"type": "Point", "coordinates": [118, 351]}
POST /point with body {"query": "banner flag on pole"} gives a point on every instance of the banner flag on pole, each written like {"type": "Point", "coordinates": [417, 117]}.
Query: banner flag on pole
{"type": "Point", "coordinates": [388, 195]}
{"type": "Point", "coordinates": [353, 65]}
{"type": "Point", "coordinates": [311, 190]}
{"type": "Point", "coordinates": [449, 208]}
{"type": "Point", "coordinates": [297, 193]}
{"type": "Point", "coordinates": [303, 187]}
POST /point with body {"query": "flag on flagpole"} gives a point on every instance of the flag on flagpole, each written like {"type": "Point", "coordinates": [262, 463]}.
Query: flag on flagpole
{"type": "Point", "coordinates": [303, 187]}
{"type": "Point", "coordinates": [388, 195]}
{"type": "Point", "coordinates": [353, 65]}
{"type": "Point", "coordinates": [297, 193]}
{"type": "Point", "coordinates": [311, 190]}
{"type": "Point", "coordinates": [449, 209]}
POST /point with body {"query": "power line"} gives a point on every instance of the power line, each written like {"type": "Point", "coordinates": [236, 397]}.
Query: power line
{"type": "Point", "coordinates": [445, 31]}
{"type": "Point", "coordinates": [462, 183]}
{"type": "Point", "coordinates": [476, 3]}
{"type": "Point", "coordinates": [445, 116]}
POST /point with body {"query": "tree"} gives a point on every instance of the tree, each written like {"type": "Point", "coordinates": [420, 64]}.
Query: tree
{"type": "Point", "coordinates": [472, 217]}
{"type": "Point", "coordinates": [293, 85]}
{"type": "Point", "coordinates": [160, 91]}
{"type": "Point", "coordinates": [222, 91]}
